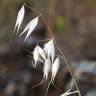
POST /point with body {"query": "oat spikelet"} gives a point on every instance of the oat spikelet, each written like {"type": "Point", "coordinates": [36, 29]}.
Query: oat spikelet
{"type": "Point", "coordinates": [55, 68]}
{"type": "Point", "coordinates": [47, 68]}
{"type": "Point", "coordinates": [50, 49]}
{"type": "Point", "coordinates": [20, 18]}
{"type": "Point", "coordinates": [37, 54]}
{"type": "Point", "coordinates": [30, 27]}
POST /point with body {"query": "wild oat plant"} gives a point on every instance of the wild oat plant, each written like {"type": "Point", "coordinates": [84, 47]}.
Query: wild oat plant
{"type": "Point", "coordinates": [46, 55]}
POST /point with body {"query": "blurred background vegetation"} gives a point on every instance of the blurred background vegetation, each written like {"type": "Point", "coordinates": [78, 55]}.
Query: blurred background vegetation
{"type": "Point", "coordinates": [73, 23]}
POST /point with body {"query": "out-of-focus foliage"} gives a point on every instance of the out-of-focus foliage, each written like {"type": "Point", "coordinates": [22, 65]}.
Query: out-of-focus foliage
{"type": "Point", "coordinates": [60, 24]}
{"type": "Point", "coordinates": [90, 3]}
{"type": "Point", "coordinates": [3, 70]}
{"type": "Point", "coordinates": [20, 2]}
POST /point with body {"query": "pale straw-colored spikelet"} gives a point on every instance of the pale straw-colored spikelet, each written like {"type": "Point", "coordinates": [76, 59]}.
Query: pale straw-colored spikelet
{"type": "Point", "coordinates": [42, 53]}
{"type": "Point", "coordinates": [30, 27]}
{"type": "Point", "coordinates": [20, 18]}
{"type": "Point", "coordinates": [47, 68]}
{"type": "Point", "coordinates": [36, 56]}
{"type": "Point", "coordinates": [55, 67]}
{"type": "Point", "coordinates": [37, 53]}
{"type": "Point", "coordinates": [50, 49]}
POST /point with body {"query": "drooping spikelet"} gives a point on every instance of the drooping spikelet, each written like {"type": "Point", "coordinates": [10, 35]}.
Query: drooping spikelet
{"type": "Point", "coordinates": [50, 49]}
{"type": "Point", "coordinates": [47, 67]}
{"type": "Point", "coordinates": [30, 27]}
{"type": "Point", "coordinates": [37, 53]}
{"type": "Point", "coordinates": [20, 18]}
{"type": "Point", "coordinates": [55, 68]}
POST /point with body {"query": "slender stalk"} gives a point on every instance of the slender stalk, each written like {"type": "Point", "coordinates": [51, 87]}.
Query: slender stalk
{"type": "Point", "coordinates": [62, 55]}
{"type": "Point", "coordinates": [52, 36]}
{"type": "Point", "coordinates": [42, 81]}
{"type": "Point", "coordinates": [48, 88]}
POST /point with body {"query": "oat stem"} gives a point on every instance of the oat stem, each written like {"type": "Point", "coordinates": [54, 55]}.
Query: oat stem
{"type": "Point", "coordinates": [52, 36]}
